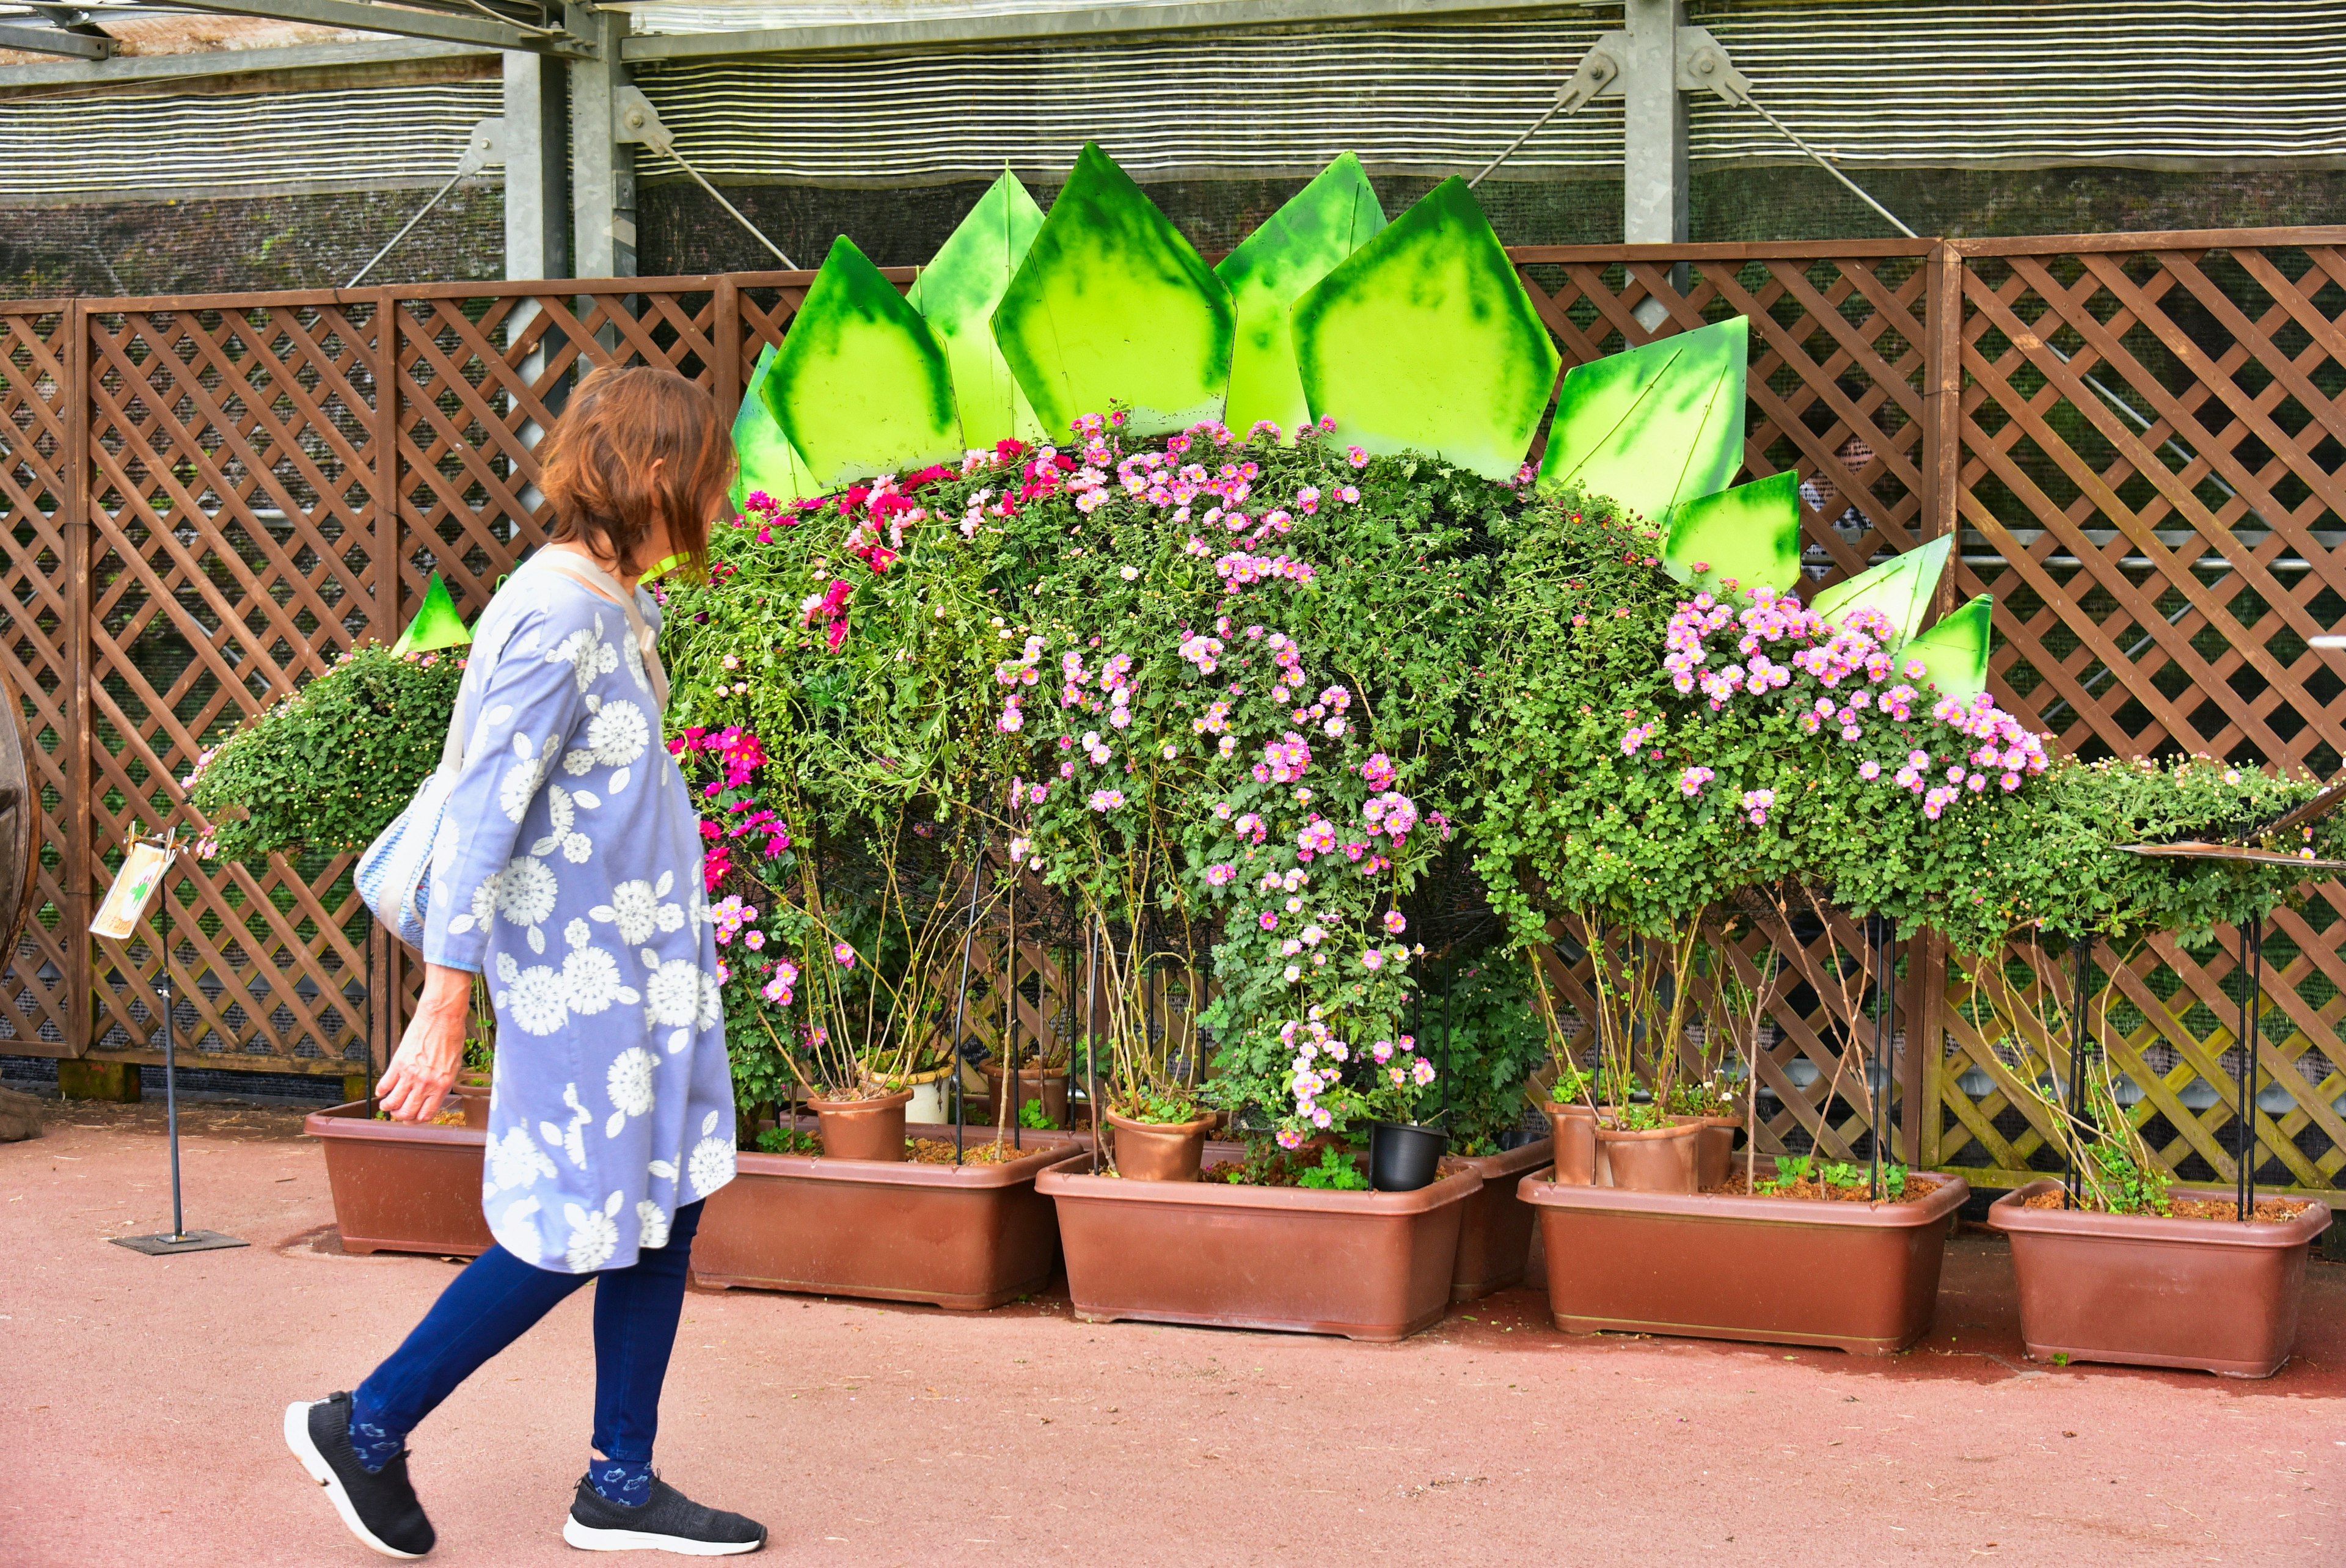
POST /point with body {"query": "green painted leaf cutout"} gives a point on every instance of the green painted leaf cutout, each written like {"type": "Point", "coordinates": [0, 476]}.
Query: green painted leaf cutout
{"type": "Point", "coordinates": [436, 624]}
{"type": "Point", "coordinates": [956, 293]}
{"type": "Point", "coordinates": [1112, 307]}
{"type": "Point", "coordinates": [1740, 539]}
{"type": "Point", "coordinates": [1653, 427]}
{"type": "Point", "coordinates": [1900, 588]}
{"type": "Point", "coordinates": [1296, 247]}
{"type": "Point", "coordinates": [1424, 340]}
{"type": "Point", "coordinates": [1954, 652]}
{"type": "Point", "coordinates": [762, 454]}
{"type": "Point", "coordinates": [861, 386]}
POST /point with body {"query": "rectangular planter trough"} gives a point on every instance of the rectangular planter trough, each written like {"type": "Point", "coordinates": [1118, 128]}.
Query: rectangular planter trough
{"type": "Point", "coordinates": [1494, 1233]}
{"type": "Point", "coordinates": [1366, 1265]}
{"type": "Point", "coordinates": [402, 1186]}
{"type": "Point", "coordinates": [1857, 1276]}
{"type": "Point", "coordinates": [968, 1237]}
{"type": "Point", "coordinates": [2206, 1294]}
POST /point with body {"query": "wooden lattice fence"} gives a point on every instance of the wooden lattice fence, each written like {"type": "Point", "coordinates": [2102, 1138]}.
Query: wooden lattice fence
{"type": "Point", "coordinates": [2138, 440]}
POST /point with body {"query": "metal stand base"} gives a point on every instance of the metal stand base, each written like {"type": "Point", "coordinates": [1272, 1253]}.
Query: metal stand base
{"type": "Point", "coordinates": [164, 1246]}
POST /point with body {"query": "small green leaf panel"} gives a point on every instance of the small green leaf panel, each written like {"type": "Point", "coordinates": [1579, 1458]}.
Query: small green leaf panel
{"type": "Point", "coordinates": [436, 624]}
{"type": "Point", "coordinates": [1653, 427]}
{"type": "Point", "coordinates": [1739, 540]}
{"type": "Point", "coordinates": [1900, 588]}
{"type": "Point", "coordinates": [861, 386]}
{"type": "Point", "coordinates": [1297, 246]}
{"type": "Point", "coordinates": [1954, 652]}
{"type": "Point", "coordinates": [1424, 340]}
{"type": "Point", "coordinates": [762, 453]}
{"type": "Point", "coordinates": [1113, 308]}
{"type": "Point", "coordinates": [956, 293]}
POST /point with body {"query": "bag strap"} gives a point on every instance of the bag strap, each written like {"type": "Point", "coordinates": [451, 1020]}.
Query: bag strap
{"type": "Point", "coordinates": [580, 570]}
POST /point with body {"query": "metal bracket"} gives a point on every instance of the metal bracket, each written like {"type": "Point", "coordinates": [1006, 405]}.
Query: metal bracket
{"type": "Point", "coordinates": [1704, 68]}
{"type": "Point", "coordinates": [633, 119]}
{"type": "Point", "coordinates": [485, 149]}
{"type": "Point", "coordinates": [1598, 76]}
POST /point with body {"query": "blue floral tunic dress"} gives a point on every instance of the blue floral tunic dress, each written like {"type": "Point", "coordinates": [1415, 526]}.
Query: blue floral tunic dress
{"type": "Point", "coordinates": [567, 869]}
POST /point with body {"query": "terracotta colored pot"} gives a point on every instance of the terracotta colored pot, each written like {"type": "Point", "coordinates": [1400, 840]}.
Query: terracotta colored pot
{"type": "Point", "coordinates": [862, 1129]}
{"type": "Point", "coordinates": [402, 1186]}
{"type": "Point", "coordinates": [966, 1237]}
{"type": "Point", "coordinates": [1032, 1083]}
{"type": "Point", "coordinates": [1158, 1150]}
{"type": "Point", "coordinates": [1575, 1144]}
{"type": "Point", "coordinates": [1366, 1265]}
{"type": "Point", "coordinates": [1659, 1160]}
{"type": "Point", "coordinates": [1861, 1277]}
{"type": "Point", "coordinates": [1494, 1225]}
{"type": "Point", "coordinates": [472, 1099]}
{"type": "Point", "coordinates": [1714, 1154]}
{"type": "Point", "coordinates": [2210, 1293]}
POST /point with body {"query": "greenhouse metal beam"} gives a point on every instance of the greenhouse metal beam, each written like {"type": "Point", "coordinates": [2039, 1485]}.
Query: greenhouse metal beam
{"type": "Point", "coordinates": [1038, 26]}
{"type": "Point", "coordinates": [125, 68]}
{"type": "Point", "coordinates": [401, 21]}
{"type": "Point", "coordinates": [57, 41]}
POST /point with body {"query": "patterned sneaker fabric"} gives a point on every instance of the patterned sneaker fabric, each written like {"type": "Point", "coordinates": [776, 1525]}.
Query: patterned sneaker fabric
{"type": "Point", "coordinates": [383, 1497]}
{"type": "Point", "coordinates": [667, 1511]}
{"type": "Point", "coordinates": [620, 1481]}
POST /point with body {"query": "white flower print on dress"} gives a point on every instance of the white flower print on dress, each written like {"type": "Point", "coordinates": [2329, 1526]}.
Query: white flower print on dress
{"type": "Point", "coordinates": [652, 1221]}
{"type": "Point", "coordinates": [590, 656]}
{"type": "Point", "coordinates": [515, 1230]}
{"type": "Point", "coordinates": [633, 651]}
{"type": "Point", "coordinates": [484, 906]}
{"type": "Point", "coordinates": [593, 1234]}
{"type": "Point", "coordinates": [527, 890]}
{"type": "Point", "coordinates": [592, 977]}
{"type": "Point", "coordinates": [637, 909]}
{"type": "Point", "coordinates": [569, 1140]}
{"type": "Point", "coordinates": [534, 1000]}
{"type": "Point", "coordinates": [519, 786]}
{"type": "Point", "coordinates": [712, 1159]}
{"type": "Point", "coordinates": [562, 817]}
{"type": "Point", "coordinates": [514, 1161]}
{"type": "Point", "coordinates": [672, 990]}
{"type": "Point", "coordinates": [618, 734]}
{"type": "Point", "coordinates": [629, 1085]}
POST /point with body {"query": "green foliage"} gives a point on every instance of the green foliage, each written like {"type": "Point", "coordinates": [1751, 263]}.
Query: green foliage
{"type": "Point", "coordinates": [1493, 1043]}
{"type": "Point", "coordinates": [1032, 1116]}
{"type": "Point", "coordinates": [789, 1141]}
{"type": "Point", "coordinates": [326, 769]}
{"type": "Point", "coordinates": [1334, 1173]}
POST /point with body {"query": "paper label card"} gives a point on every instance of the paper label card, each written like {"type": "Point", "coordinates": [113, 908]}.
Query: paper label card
{"type": "Point", "coordinates": [134, 884]}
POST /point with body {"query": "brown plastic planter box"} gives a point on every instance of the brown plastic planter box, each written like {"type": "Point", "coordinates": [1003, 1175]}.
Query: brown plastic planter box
{"type": "Point", "coordinates": [402, 1186]}
{"type": "Point", "coordinates": [1494, 1232]}
{"type": "Point", "coordinates": [967, 1237]}
{"type": "Point", "coordinates": [1366, 1265]}
{"type": "Point", "coordinates": [2209, 1294]}
{"type": "Point", "coordinates": [1856, 1277]}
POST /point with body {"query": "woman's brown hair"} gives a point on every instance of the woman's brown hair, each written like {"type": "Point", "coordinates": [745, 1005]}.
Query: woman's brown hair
{"type": "Point", "coordinates": [598, 462]}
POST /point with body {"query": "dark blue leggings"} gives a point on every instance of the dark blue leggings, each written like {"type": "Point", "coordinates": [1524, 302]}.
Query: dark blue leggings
{"type": "Point", "coordinates": [496, 1298]}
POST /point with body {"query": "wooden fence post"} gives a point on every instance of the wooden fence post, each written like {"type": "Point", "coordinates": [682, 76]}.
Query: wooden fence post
{"type": "Point", "coordinates": [1943, 406]}
{"type": "Point", "coordinates": [384, 980]}
{"type": "Point", "coordinates": [79, 869]}
{"type": "Point", "coordinates": [725, 368]}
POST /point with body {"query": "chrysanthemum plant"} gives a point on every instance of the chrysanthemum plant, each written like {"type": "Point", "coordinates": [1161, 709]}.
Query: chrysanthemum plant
{"type": "Point", "coordinates": [1216, 598]}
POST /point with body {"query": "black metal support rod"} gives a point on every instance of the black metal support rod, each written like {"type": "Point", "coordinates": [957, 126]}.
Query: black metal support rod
{"type": "Point", "coordinates": [170, 1052]}
{"type": "Point", "coordinates": [2073, 1180]}
{"type": "Point", "coordinates": [1091, 1046]}
{"type": "Point", "coordinates": [1877, 1077]}
{"type": "Point", "coordinates": [2252, 988]}
{"type": "Point", "coordinates": [961, 1001]}
{"type": "Point", "coordinates": [1010, 1023]}
{"type": "Point", "coordinates": [1448, 975]}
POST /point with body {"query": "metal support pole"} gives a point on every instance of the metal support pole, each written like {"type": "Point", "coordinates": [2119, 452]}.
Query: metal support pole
{"type": "Point", "coordinates": [537, 172]}
{"type": "Point", "coordinates": [2073, 1181]}
{"type": "Point", "coordinates": [1010, 1024]}
{"type": "Point", "coordinates": [961, 1001]}
{"type": "Point", "coordinates": [1885, 957]}
{"type": "Point", "coordinates": [602, 167]}
{"type": "Point", "coordinates": [1653, 135]}
{"type": "Point", "coordinates": [1448, 975]}
{"type": "Point", "coordinates": [170, 1056]}
{"type": "Point", "coordinates": [1091, 1046]}
{"type": "Point", "coordinates": [2252, 990]}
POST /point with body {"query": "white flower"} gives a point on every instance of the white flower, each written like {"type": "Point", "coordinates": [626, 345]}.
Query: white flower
{"type": "Point", "coordinates": [633, 653]}
{"type": "Point", "coordinates": [535, 1001]}
{"type": "Point", "coordinates": [618, 734]}
{"type": "Point", "coordinates": [594, 1235]}
{"type": "Point", "coordinates": [636, 909]}
{"type": "Point", "coordinates": [517, 1231]}
{"type": "Point", "coordinates": [712, 1000]}
{"type": "Point", "coordinates": [651, 1221]}
{"type": "Point", "coordinates": [672, 995]}
{"type": "Point", "coordinates": [711, 1167]}
{"type": "Point", "coordinates": [518, 787]}
{"type": "Point", "coordinates": [514, 1161]}
{"type": "Point", "coordinates": [590, 656]}
{"type": "Point", "coordinates": [525, 890]}
{"type": "Point", "coordinates": [630, 1081]}
{"type": "Point", "coordinates": [591, 977]}
{"type": "Point", "coordinates": [485, 905]}
{"type": "Point", "coordinates": [561, 812]}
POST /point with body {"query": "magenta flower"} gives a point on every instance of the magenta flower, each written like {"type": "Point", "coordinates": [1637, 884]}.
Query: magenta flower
{"type": "Point", "coordinates": [843, 953]}
{"type": "Point", "coordinates": [1395, 922]}
{"type": "Point", "coordinates": [1372, 961]}
{"type": "Point", "coordinates": [1267, 919]}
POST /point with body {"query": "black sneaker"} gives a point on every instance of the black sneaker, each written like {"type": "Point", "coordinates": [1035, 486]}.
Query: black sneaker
{"type": "Point", "coordinates": [668, 1521]}
{"type": "Point", "coordinates": [379, 1507]}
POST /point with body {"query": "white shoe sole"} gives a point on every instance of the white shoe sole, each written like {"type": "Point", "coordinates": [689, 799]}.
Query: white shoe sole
{"type": "Point", "coordinates": [589, 1539]}
{"type": "Point", "coordinates": [297, 1438]}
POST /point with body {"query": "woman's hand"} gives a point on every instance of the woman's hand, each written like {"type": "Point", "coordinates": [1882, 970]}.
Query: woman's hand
{"type": "Point", "coordinates": [424, 1068]}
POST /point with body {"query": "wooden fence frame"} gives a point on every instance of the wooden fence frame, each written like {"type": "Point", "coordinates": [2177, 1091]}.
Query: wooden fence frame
{"type": "Point", "coordinates": [1983, 379]}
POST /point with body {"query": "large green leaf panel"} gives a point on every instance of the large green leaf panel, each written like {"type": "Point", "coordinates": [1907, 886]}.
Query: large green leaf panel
{"type": "Point", "coordinates": [762, 454]}
{"type": "Point", "coordinates": [1953, 653]}
{"type": "Point", "coordinates": [1900, 588]}
{"type": "Point", "coordinates": [1653, 427]}
{"type": "Point", "coordinates": [1296, 247]}
{"type": "Point", "coordinates": [1113, 308]}
{"type": "Point", "coordinates": [436, 624]}
{"type": "Point", "coordinates": [1740, 539]}
{"type": "Point", "coordinates": [956, 293]}
{"type": "Point", "coordinates": [861, 386]}
{"type": "Point", "coordinates": [1424, 340]}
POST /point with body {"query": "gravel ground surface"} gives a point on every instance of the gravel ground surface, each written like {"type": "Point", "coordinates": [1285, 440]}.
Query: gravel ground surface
{"type": "Point", "coordinates": [140, 1401]}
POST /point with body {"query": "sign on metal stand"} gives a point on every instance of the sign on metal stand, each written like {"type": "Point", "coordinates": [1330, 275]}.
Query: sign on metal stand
{"type": "Point", "coordinates": [149, 861]}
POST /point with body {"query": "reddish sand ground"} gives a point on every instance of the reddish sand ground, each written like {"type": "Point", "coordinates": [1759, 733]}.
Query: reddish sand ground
{"type": "Point", "coordinates": [140, 1401]}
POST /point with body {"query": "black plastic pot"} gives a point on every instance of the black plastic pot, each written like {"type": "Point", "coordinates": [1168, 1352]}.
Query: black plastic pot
{"type": "Point", "coordinates": [1403, 1157]}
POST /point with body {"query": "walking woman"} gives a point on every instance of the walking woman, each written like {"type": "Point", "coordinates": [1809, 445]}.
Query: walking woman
{"type": "Point", "coordinates": [567, 871]}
